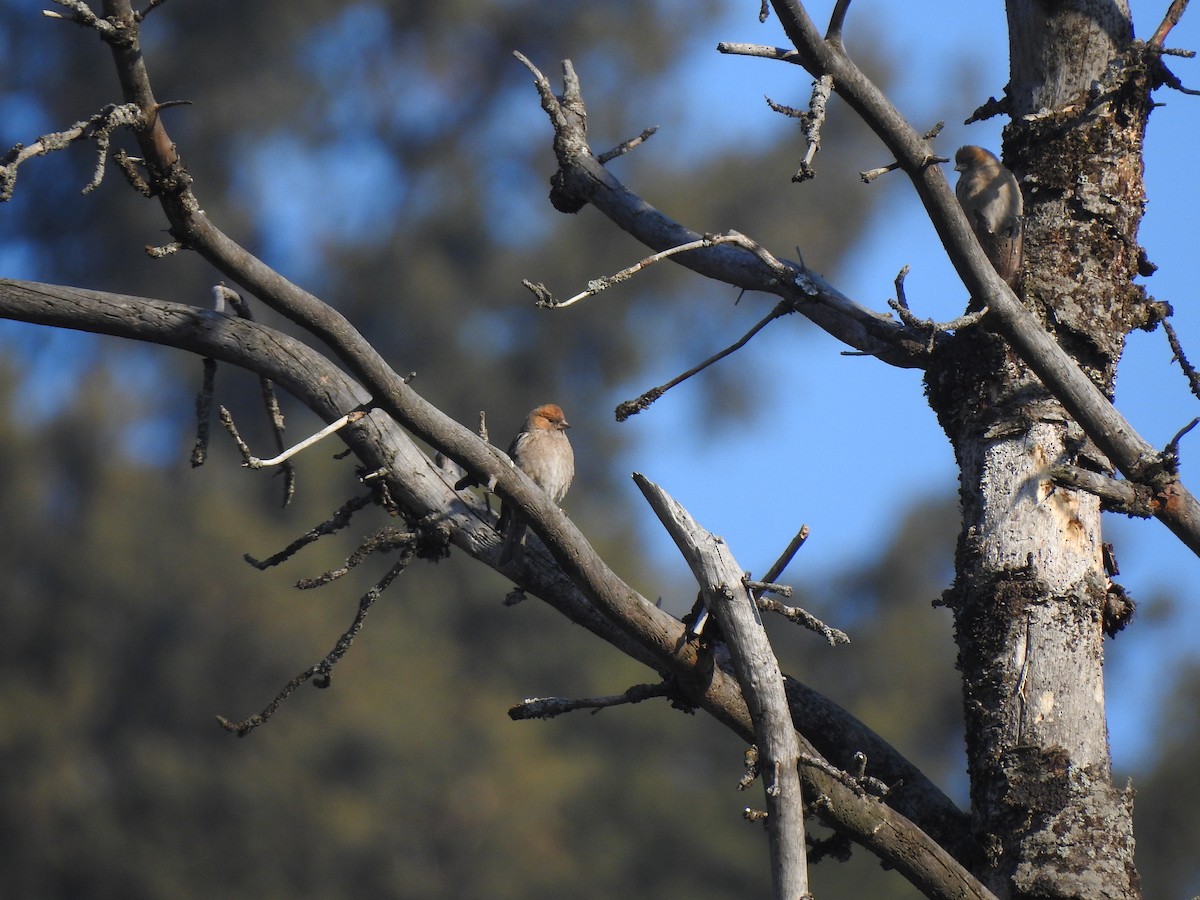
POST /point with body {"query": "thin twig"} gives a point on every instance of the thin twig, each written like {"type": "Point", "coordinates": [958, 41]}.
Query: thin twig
{"type": "Point", "coordinates": [250, 461]}
{"type": "Point", "coordinates": [339, 520]}
{"type": "Point", "coordinates": [800, 616]}
{"type": "Point", "coordinates": [322, 672]}
{"type": "Point", "coordinates": [1170, 454]}
{"type": "Point", "coordinates": [871, 174]}
{"type": "Point", "coordinates": [222, 295]}
{"type": "Point", "coordinates": [860, 783]}
{"type": "Point", "coordinates": [1178, 356]}
{"type": "Point", "coordinates": [81, 14]}
{"type": "Point", "coordinates": [150, 7]}
{"type": "Point", "coordinates": [383, 541]}
{"type": "Point", "coordinates": [544, 299]}
{"type": "Point", "coordinates": [633, 407]}
{"type": "Point", "coordinates": [768, 587]}
{"type": "Point", "coordinates": [813, 122]}
{"type": "Point", "coordinates": [900, 305]}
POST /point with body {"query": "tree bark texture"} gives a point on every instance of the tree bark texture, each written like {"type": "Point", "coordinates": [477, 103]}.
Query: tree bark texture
{"type": "Point", "coordinates": [1030, 591]}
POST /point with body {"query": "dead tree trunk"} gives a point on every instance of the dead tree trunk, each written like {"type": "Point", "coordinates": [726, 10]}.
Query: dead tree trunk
{"type": "Point", "coordinates": [1031, 597]}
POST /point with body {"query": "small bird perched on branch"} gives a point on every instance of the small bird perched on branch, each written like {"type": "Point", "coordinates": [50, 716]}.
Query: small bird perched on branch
{"type": "Point", "coordinates": [990, 196]}
{"type": "Point", "coordinates": [540, 450]}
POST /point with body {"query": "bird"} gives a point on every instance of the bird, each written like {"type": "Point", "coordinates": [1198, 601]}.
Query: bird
{"type": "Point", "coordinates": [540, 450]}
{"type": "Point", "coordinates": [991, 198]}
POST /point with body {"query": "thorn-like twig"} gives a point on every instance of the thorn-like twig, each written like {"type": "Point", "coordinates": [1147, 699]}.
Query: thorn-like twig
{"type": "Point", "coordinates": [150, 7]}
{"type": "Point", "coordinates": [633, 407]}
{"type": "Point", "coordinates": [549, 707]}
{"type": "Point", "coordinates": [1170, 20]}
{"type": "Point", "coordinates": [836, 20]}
{"type": "Point", "coordinates": [734, 48]}
{"type": "Point", "coordinates": [625, 146]}
{"type": "Point", "coordinates": [1179, 356]}
{"type": "Point", "coordinates": [776, 570]}
{"type": "Point", "coordinates": [1171, 451]}
{"type": "Point", "coordinates": [871, 174]}
{"type": "Point", "coordinates": [204, 412]}
{"type": "Point", "coordinates": [991, 107]}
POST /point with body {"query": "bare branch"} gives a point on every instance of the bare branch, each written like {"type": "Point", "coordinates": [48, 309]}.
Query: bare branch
{"type": "Point", "coordinates": [81, 14]}
{"type": "Point", "coordinates": [149, 8]}
{"type": "Point", "coordinates": [734, 48]}
{"type": "Point", "coordinates": [604, 283]}
{"type": "Point", "coordinates": [253, 462]}
{"type": "Point", "coordinates": [383, 541]}
{"type": "Point", "coordinates": [625, 146]}
{"type": "Point", "coordinates": [758, 673]}
{"type": "Point", "coordinates": [929, 326]}
{"type": "Point", "coordinates": [871, 174]}
{"type": "Point", "coordinates": [581, 180]}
